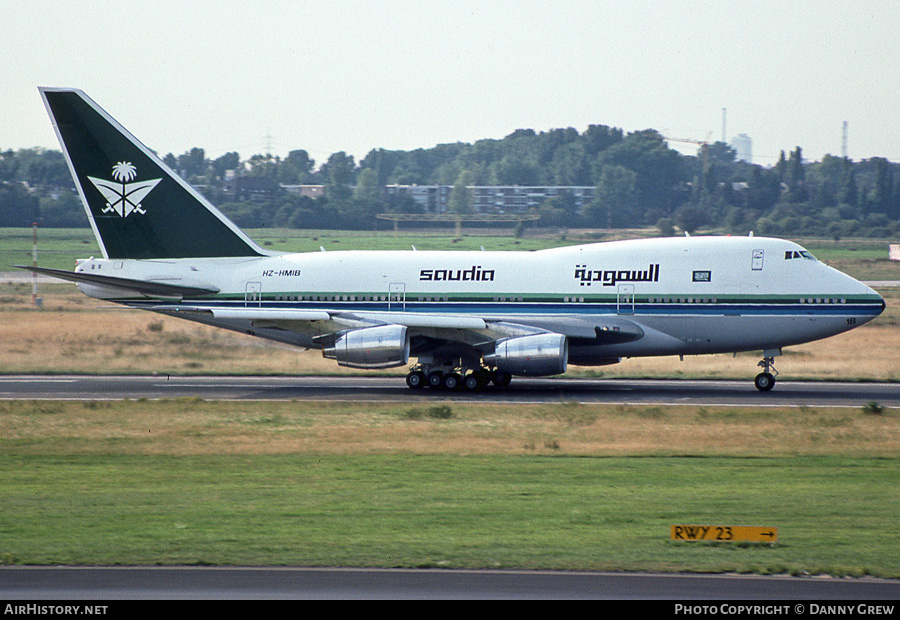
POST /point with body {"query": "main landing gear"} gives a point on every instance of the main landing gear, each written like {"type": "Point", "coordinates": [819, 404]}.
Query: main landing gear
{"type": "Point", "coordinates": [765, 380]}
{"type": "Point", "coordinates": [456, 378]}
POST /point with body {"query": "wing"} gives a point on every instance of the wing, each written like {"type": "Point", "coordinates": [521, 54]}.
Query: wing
{"type": "Point", "coordinates": [379, 339]}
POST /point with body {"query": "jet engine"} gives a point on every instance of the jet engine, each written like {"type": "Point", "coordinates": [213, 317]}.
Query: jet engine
{"type": "Point", "coordinates": [384, 346]}
{"type": "Point", "coordinates": [537, 355]}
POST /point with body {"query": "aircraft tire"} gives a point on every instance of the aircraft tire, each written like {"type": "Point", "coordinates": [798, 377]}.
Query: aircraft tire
{"type": "Point", "coordinates": [483, 376]}
{"type": "Point", "coordinates": [764, 381]}
{"type": "Point", "coordinates": [452, 381]}
{"type": "Point", "coordinates": [415, 379]}
{"type": "Point", "coordinates": [471, 382]}
{"type": "Point", "coordinates": [435, 379]}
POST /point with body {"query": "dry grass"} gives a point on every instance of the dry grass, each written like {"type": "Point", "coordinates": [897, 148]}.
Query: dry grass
{"type": "Point", "coordinates": [869, 353]}
{"type": "Point", "coordinates": [188, 427]}
{"type": "Point", "coordinates": [75, 334]}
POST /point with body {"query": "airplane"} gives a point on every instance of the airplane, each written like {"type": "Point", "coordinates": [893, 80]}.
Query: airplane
{"type": "Point", "coordinates": [468, 318]}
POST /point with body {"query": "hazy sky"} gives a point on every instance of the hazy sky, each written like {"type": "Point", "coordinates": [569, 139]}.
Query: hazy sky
{"type": "Point", "coordinates": [351, 76]}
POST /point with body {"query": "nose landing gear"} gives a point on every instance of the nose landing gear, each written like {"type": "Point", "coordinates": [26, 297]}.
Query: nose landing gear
{"type": "Point", "coordinates": [765, 380]}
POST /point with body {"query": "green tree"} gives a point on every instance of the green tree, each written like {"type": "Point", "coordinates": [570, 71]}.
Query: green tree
{"type": "Point", "coordinates": [193, 163]}
{"type": "Point", "coordinates": [63, 210]}
{"type": "Point", "coordinates": [461, 196]}
{"type": "Point", "coordinates": [657, 169]}
{"type": "Point", "coordinates": [879, 197]}
{"type": "Point", "coordinates": [18, 207]}
{"type": "Point", "coordinates": [515, 170]}
{"type": "Point", "coordinates": [691, 217]}
{"type": "Point", "coordinates": [616, 198]}
{"type": "Point", "coordinates": [796, 177]}
{"type": "Point", "coordinates": [598, 138]}
{"type": "Point", "coordinates": [296, 168]}
{"type": "Point", "coordinates": [849, 191]}
{"type": "Point", "coordinates": [228, 161]}
{"type": "Point", "coordinates": [368, 190]}
{"type": "Point", "coordinates": [44, 168]}
{"type": "Point", "coordinates": [264, 166]}
{"type": "Point", "coordinates": [337, 175]}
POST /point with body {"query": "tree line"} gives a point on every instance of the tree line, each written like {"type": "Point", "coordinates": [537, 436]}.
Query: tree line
{"type": "Point", "coordinates": [639, 182]}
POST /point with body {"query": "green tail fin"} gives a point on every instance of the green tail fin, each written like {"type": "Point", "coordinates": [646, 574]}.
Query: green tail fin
{"type": "Point", "coordinates": [138, 207]}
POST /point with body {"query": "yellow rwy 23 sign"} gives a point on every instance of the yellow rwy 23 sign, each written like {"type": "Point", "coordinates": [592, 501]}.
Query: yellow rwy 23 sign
{"type": "Point", "coordinates": [724, 533]}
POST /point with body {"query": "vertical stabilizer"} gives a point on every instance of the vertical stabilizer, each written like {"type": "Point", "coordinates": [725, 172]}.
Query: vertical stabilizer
{"type": "Point", "coordinates": [138, 207]}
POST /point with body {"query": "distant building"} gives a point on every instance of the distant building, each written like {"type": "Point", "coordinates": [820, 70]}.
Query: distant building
{"type": "Point", "coordinates": [743, 147]}
{"type": "Point", "coordinates": [518, 199]}
{"type": "Point", "coordinates": [430, 198]}
{"type": "Point", "coordinates": [493, 199]}
{"type": "Point", "coordinates": [310, 191]}
{"type": "Point", "coordinates": [255, 189]}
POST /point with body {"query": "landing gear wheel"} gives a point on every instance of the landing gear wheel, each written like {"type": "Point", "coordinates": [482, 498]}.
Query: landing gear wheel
{"type": "Point", "coordinates": [764, 382]}
{"type": "Point", "coordinates": [435, 379]}
{"type": "Point", "coordinates": [452, 381]}
{"type": "Point", "coordinates": [472, 382]}
{"type": "Point", "coordinates": [416, 379]}
{"type": "Point", "coordinates": [483, 376]}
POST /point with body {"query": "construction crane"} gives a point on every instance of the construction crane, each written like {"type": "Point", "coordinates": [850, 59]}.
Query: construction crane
{"type": "Point", "coordinates": [704, 150]}
{"type": "Point", "coordinates": [704, 145]}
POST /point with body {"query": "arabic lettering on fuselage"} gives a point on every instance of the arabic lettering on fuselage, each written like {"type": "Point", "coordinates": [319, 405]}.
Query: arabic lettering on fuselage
{"type": "Point", "coordinates": [610, 277]}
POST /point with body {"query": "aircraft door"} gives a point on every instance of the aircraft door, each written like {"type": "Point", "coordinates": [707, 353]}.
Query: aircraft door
{"type": "Point", "coordinates": [625, 299]}
{"type": "Point", "coordinates": [756, 263]}
{"type": "Point", "coordinates": [253, 294]}
{"type": "Point", "coordinates": [397, 296]}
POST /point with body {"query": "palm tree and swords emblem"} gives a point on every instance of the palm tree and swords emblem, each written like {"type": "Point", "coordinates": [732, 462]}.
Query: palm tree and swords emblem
{"type": "Point", "coordinates": [123, 197]}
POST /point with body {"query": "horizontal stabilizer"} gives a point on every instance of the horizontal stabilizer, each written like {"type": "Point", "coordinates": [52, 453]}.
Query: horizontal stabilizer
{"type": "Point", "coordinates": [138, 286]}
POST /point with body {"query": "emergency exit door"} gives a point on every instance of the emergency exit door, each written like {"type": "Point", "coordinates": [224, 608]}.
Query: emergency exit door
{"type": "Point", "coordinates": [756, 263]}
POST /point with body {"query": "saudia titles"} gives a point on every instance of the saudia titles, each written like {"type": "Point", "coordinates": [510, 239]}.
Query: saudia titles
{"type": "Point", "coordinates": [474, 274]}
{"type": "Point", "coordinates": [611, 277]}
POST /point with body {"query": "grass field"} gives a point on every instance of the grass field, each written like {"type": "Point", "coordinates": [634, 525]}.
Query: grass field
{"type": "Point", "coordinates": [559, 487]}
{"type": "Point", "coordinates": [563, 486]}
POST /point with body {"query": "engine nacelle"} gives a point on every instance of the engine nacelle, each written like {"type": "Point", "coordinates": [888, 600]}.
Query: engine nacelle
{"type": "Point", "coordinates": [384, 346]}
{"type": "Point", "coordinates": [538, 355]}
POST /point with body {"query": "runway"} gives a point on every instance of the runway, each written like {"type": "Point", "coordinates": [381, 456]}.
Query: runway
{"type": "Point", "coordinates": [393, 389]}
{"type": "Point", "coordinates": [105, 584]}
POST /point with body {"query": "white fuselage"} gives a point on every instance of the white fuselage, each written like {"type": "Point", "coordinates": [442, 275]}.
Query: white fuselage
{"type": "Point", "coordinates": [682, 295]}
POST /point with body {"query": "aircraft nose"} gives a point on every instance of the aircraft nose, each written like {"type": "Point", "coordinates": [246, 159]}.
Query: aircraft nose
{"type": "Point", "coordinates": [874, 293]}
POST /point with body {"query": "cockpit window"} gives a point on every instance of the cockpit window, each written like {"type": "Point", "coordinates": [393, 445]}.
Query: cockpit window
{"type": "Point", "coordinates": [791, 254]}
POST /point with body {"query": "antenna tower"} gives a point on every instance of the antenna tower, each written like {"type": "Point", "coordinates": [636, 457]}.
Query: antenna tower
{"type": "Point", "coordinates": [844, 141]}
{"type": "Point", "coordinates": [724, 135]}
